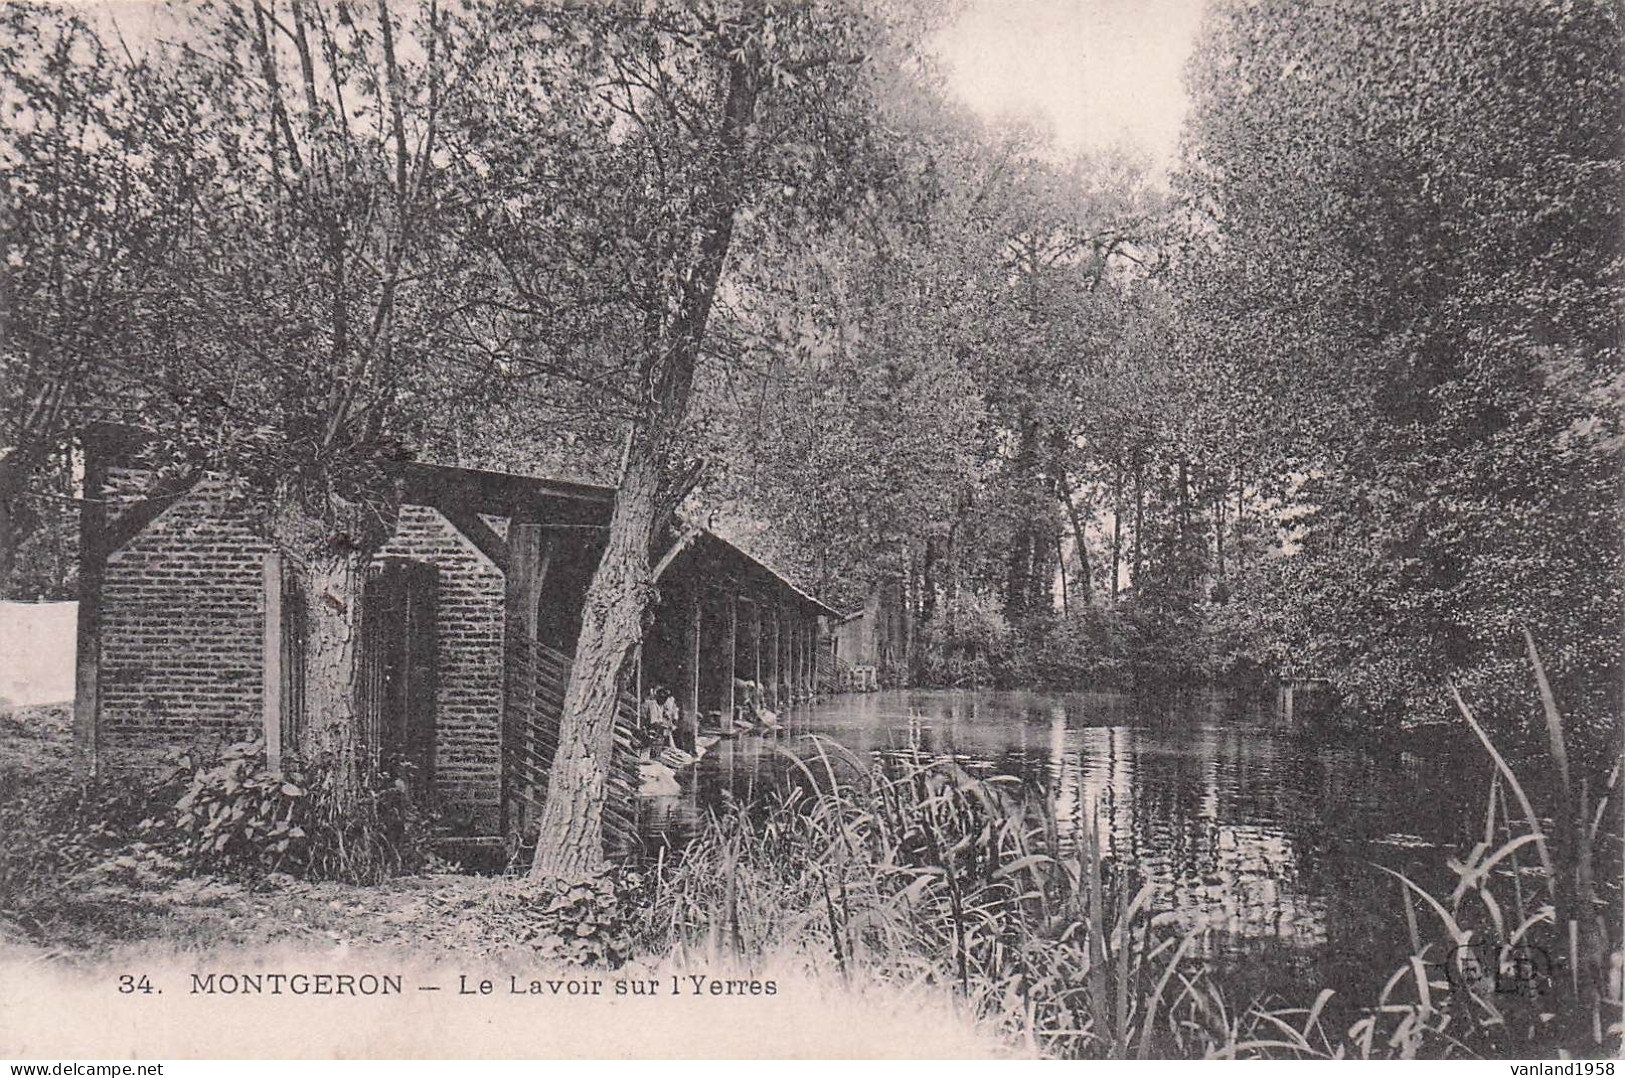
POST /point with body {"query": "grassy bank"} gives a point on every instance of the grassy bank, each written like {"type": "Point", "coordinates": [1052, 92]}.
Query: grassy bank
{"type": "Point", "coordinates": [911, 881]}
{"type": "Point", "coordinates": [922, 873]}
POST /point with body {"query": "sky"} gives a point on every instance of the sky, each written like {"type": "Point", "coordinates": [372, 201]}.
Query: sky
{"type": "Point", "coordinates": [1099, 72]}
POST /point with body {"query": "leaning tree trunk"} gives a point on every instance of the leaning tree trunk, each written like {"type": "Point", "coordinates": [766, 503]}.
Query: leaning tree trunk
{"type": "Point", "coordinates": [571, 843]}
{"type": "Point", "coordinates": [1079, 535]}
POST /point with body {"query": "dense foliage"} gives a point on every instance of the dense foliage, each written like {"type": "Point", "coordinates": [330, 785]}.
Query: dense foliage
{"type": "Point", "coordinates": [1345, 406]}
{"type": "Point", "coordinates": [1405, 286]}
{"type": "Point", "coordinates": [1340, 400]}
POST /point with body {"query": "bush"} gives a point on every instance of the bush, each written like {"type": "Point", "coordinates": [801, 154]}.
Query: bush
{"type": "Point", "coordinates": [237, 814]}
{"type": "Point", "coordinates": [56, 833]}
{"type": "Point", "coordinates": [968, 643]}
{"type": "Point", "coordinates": [581, 924]}
{"type": "Point", "coordinates": [1082, 649]}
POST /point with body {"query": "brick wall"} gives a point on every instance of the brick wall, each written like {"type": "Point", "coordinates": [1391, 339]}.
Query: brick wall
{"type": "Point", "coordinates": [183, 617]}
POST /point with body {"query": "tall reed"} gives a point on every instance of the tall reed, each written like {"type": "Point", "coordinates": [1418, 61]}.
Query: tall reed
{"type": "Point", "coordinates": [917, 871]}
{"type": "Point", "coordinates": [913, 870]}
{"type": "Point", "coordinates": [1518, 958]}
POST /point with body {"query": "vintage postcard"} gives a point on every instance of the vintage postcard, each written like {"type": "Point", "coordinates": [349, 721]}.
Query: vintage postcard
{"type": "Point", "coordinates": [734, 529]}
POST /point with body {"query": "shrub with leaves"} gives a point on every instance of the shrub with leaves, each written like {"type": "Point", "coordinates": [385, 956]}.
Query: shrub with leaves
{"type": "Point", "coordinates": [238, 814]}
{"type": "Point", "coordinates": [588, 924]}
{"type": "Point", "coordinates": [55, 833]}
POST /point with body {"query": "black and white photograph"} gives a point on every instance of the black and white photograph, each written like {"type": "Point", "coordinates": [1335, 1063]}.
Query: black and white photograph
{"type": "Point", "coordinates": [811, 529]}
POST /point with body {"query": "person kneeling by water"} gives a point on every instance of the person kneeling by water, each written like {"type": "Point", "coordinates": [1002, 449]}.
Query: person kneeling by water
{"type": "Point", "coordinates": [658, 710]}
{"type": "Point", "coordinates": [678, 733]}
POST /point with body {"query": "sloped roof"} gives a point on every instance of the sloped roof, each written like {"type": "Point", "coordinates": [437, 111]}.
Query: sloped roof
{"type": "Point", "coordinates": [510, 495]}
{"type": "Point", "coordinates": [507, 494]}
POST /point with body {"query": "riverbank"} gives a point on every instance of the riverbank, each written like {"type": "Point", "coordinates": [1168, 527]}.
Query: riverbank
{"type": "Point", "coordinates": [868, 879]}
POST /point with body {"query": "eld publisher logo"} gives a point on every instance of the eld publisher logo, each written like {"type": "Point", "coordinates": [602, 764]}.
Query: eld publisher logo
{"type": "Point", "coordinates": [1507, 969]}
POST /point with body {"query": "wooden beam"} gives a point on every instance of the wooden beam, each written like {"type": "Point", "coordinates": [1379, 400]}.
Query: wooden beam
{"type": "Point", "coordinates": [477, 531]}
{"type": "Point", "coordinates": [691, 651]}
{"type": "Point", "coordinates": [271, 675]}
{"type": "Point", "coordinates": [677, 547]}
{"type": "Point", "coordinates": [525, 558]}
{"type": "Point", "coordinates": [786, 668]}
{"type": "Point", "coordinates": [732, 662]}
{"type": "Point", "coordinates": [773, 658]}
{"type": "Point", "coordinates": [498, 493]}
{"type": "Point", "coordinates": [756, 647]}
{"type": "Point", "coordinates": [529, 552]}
{"type": "Point", "coordinates": [812, 655]}
{"type": "Point", "coordinates": [798, 664]}
{"type": "Point", "coordinates": [87, 665]}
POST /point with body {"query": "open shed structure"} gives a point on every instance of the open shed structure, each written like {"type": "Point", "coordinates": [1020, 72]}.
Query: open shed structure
{"type": "Point", "coordinates": [189, 631]}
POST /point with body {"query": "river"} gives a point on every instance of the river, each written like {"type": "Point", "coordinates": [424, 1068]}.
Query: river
{"type": "Point", "coordinates": [1268, 838]}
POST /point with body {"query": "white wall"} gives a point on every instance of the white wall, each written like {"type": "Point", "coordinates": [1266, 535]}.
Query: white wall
{"type": "Point", "coordinates": [37, 642]}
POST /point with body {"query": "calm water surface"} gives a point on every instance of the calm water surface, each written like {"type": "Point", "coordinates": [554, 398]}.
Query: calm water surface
{"type": "Point", "coordinates": [1267, 838]}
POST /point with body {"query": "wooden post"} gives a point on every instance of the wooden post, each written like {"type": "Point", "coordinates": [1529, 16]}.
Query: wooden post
{"type": "Point", "coordinates": [272, 675]}
{"type": "Point", "coordinates": [773, 659]}
{"type": "Point", "coordinates": [788, 623]}
{"type": "Point", "coordinates": [691, 692]}
{"type": "Point", "coordinates": [92, 563]}
{"type": "Point", "coordinates": [797, 666]}
{"type": "Point", "coordinates": [529, 554]}
{"type": "Point", "coordinates": [756, 647]}
{"type": "Point", "coordinates": [812, 658]}
{"type": "Point", "coordinates": [731, 621]}
{"type": "Point", "coordinates": [780, 656]}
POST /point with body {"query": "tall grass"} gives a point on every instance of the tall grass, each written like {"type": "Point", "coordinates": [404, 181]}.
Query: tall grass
{"type": "Point", "coordinates": [1518, 958]}
{"type": "Point", "coordinates": [914, 871]}
{"type": "Point", "coordinates": [918, 872]}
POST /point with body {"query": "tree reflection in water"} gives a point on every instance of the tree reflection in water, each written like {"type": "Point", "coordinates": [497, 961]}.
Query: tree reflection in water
{"type": "Point", "coordinates": [1268, 839]}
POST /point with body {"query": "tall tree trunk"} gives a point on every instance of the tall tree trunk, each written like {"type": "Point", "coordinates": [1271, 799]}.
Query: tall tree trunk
{"type": "Point", "coordinates": [929, 572]}
{"type": "Point", "coordinates": [1025, 557]}
{"type": "Point", "coordinates": [1139, 523]}
{"type": "Point", "coordinates": [1018, 566]}
{"type": "Point", "coordinates": [907, 665]}
{"type": "Point", "coordinates": [332, 586]}
{"type": "Point", "coordinates": [1078, 536]}
{"type": "Point", "coordinates": [1185, 568]}
{"type": "Point", "coordinates": [571, 841]}
{"type": "Point", "coordinates": [329, 541]}
{"type": "Point", "coordinates": [570, 845]}
{"type": "Point", "coordinates": [1117, 525]}
{"type": "Point", "coordinates": [1060, 557]}
{"type": "Point", "coordinates": [1241, 520]}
